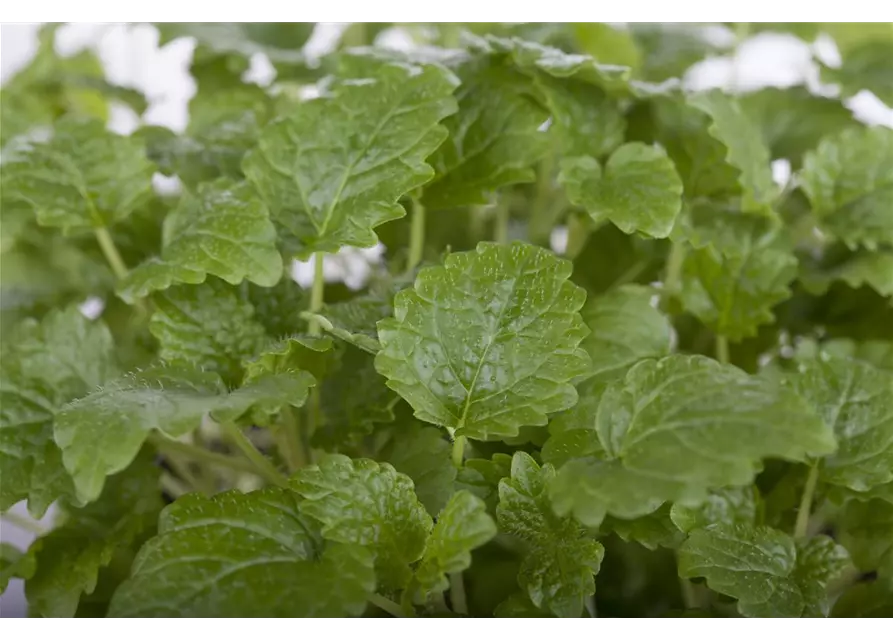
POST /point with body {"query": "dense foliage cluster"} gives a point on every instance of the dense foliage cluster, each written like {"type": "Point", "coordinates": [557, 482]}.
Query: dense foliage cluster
{"type": "Point", "coordinates": [688, 410]}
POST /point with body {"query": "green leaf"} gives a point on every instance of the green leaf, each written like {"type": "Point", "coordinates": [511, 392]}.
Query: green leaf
{"type": "Point", "coordinates": [586, 121]}
{"type": "Point", "coordinates": [364, 503]}
{"type": "Point", "coordinates": [763, 568]}
{"type": "Point", "coordinates": [45, 365]}
{"type": "Point", "coordinates": [447, 350]}
{"type": "Point", "coordinates": [354, 321]}
{"type": "Point", "coordinates": [866, 67]}
{"type": "Point", "coordinates": [625, 328]}
{"type": "Point", "coordinates": [424, 455]}
{"type": "Point", "coordinates": [658, 444]}
{"type": "Point", "coordinates": [102, 433]}
{"type": "Point", "coordinates": [669, 49]}
{"type": "Point", "coordinates": [728, 505]}
{"type": "Point", "coordinates": [651, 531]}
{"type": "Point", "coordinates": [494, 138]}
{"type": "Point", "coordinates": [857, 269]}
{"type": "Point", "coordinates": [313, 354]}
{"type": "Point", "coordinates": [481, 477]}
{"type": "Point", "coordinates": [69, 558]}
{"type": "Point", "coordinates": [611, 257]}
{"type": "Point", "coordinates": [855, 400]}
{"type": "Point", "coordinates": [558, 568]}
{"type": "Point", "coordinates": [866, 530]}
{"type": "Point", "coordinates": [732, 284]}
{"type": "Point", "coordinates": [14, 564]}
{"type": "Point", "coordinates": [793, 119]}
{"type": "Point", "coordinates": [638, 189]}
{"type": "Point", "coordinates": [277, 308]}
{"type": "Point", "coordinates": [608, 44]}
{"type": "Point", "coordinates": [871, 600]}
{"type": "Point", "coordinates": [207, 326]}
{"type": "Point", "coordinates": [223, 230]}
{"type": "Point", "coordinates": [461, 527]}
{"type": "Point", "coordinates": [518, 605]}
{"type": "Point", "coordinates": [847, 179]}
{"type": "Point", "coordinates": [745, 148]}
{"type": "Point", "coordinates": [353, 402]}
{"type": "Point", "coordinates": [83, 177]}
{"type": "Point", "coordinates": [335, 168]}
{"type": "Point", "coordinates": [244, 555]}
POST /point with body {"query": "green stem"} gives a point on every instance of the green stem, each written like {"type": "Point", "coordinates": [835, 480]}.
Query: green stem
{"type": "Point", "coordinates": [110, 251]}
{"type": "Point", "coordinates": [313, 415]}
{"type": "Point", "coordinates": [802, 524]}
{"type": "Point", "coordinates": [173, 486]}
{"type": "Point", "coordinates": [578, 231]}
{"type": "Point", "coordinates": [630, 274]}
{"type": "Point", "coordinates": [294, 447]}
{"type": "Point", "coordinates": [24, 523]}
{"type": "Point", "coordinates": [262, 465]}
{"type": "Point", "coordinates": [417, 235]}
{"type": "Point", "coordinates": [317, 293]}
{"type": "Point", "coordinates": [722, 349]}
{"type": "Point", "coordinates": [195, 481]}
{"type": "Point", "coordinates": [457, 594]}
{"type": "Point", "coordinates": [673, 273]}
{"type": "Point", "coordinates": [501, 224]}
{"type": "Point", "coordinates": [199, 454]}
{"type": "Point", "coordinates": [689, 597]}
{"type": "Point", "coordinates": [541, 215]}
{"type": "Point", "coordinates": [459, 450]}
{"type": "Point", "coordinates": [386, 605]}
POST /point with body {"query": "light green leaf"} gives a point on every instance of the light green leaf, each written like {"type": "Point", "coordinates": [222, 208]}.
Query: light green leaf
{"type": "Point", "coordinates": [608, 43]}
{"type": "Point", "coordinates": [83, 177]}
{"type": "Point", "coordinates": [461, 527]}
{"type": "Point", "coordinates": [313, 354]}
{"type": "Point", "coordinates": [847, 179]}
{"type": "Point", "coordinates": [45, 365]}
{"type": "Point", "coordinates": [364, 503]}
{"type": "Point", "coordinates": [488, 342]}
{"type": "Point", "coordinates": [14, 564]}
{"type": "Point", "coordinates": [866, 530]}
{"type": "Point", "coordinates": [558, 570]}
{"type": "Point", "coordinates": [494, 138]}
{"type": "Point", "coordinates": [264, 396]}
{"type": "Point", "coordinates": [638, 189]}
{"type": "Point", "coordinates": [732, 284]}
{"type": "Point", "coordinates": [857, 269]}
{"type": "Point", "coordinates": [481, 477]}
{"type": "Point", "coordinates": [855, 400]}
{"type": "Point", "coordinates": [675, 428]}
{"type": "Point", "coordinates": [69, 558]}
{"type": "Point", "coordinates": [223, 230]}
{"type": "Point", "coordinates": [423, 454]}
{"type": "Point", "coordinates": [354, 320]}
{"type": "Point", "coordinates": [625, 328]}
{"type": "Point", "coordinates": [585, 120]}
{"type": "Point", "coordinates": [208, 550]}
{"type": "Point", "coordinates": [746, 149]}
{"type": "Point", "coordinates": [866, 66]}
{"type": "Point", "coordinates": [207, 326]}
{"type": "Point", "coordinates": [335, 168]}
{"type": "Point", "coordinates": [728, 505]}
{"type": "Point", "coordinates": [763, 568]}
{"type": "Point", "coordinates": [281, 42]}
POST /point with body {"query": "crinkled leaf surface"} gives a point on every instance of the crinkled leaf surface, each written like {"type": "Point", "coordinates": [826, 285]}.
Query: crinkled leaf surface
{"type": "Point", "coordinates": [494, 138]}
{"type": "Point", "coordinates": [855, 400]}
{"type": "Point", "coordinates": [69, 558]}
{"type": "Point", "coordinates": [674, 428]}
{"type": "Point", "coordinates": [277, 308]}
{"type": "Point", "coordinates": [354, 320]}
{"type": "Point", "coordinates": [733, 283]}
{"type": "Point", "coordinates": [462, 526]}
{"type": "Point", "coordinates": [558, 569]}
{"type": "Point", "coordinates": [764, 569]}
{"type": "Point", "coordinates": [45, 365]}
{"type": "Point", "coordinates": [625, 328]}
{"type": "Point", "coordinates": [848, 181]}
{"type": "Point", "coordinates": [488, 342]}
{"type": "Point", "coordinates": [208, 326]}
{"type": "Point", "coordinates": [244, 555]}
{"type": "Point", "coordinates": [481, 476]}
{"type": "Point", "coordinates": [366, 504]}
{"type": "Point", "coordinates": [638, 189]}
{"type": "Point", "coordinates": [223, 230]}
{"type": "Point", "coordinates": [653, 530]}
{"type": "Point", "coordinates": [746, 149]}
{"type": "Point", "coordinates": [82, 177]}
{"type": "Point", "coordinates": [423, 454]}
{"type": "Point", "coordinates": [334, 169]}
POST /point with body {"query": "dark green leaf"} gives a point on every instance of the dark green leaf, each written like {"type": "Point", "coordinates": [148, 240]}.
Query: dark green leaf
{"type": "Point", "coordinates": [423, 454]}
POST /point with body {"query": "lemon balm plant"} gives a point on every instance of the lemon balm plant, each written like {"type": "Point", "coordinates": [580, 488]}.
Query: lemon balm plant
{"type": "Point", "coordinates": [688, 410]}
